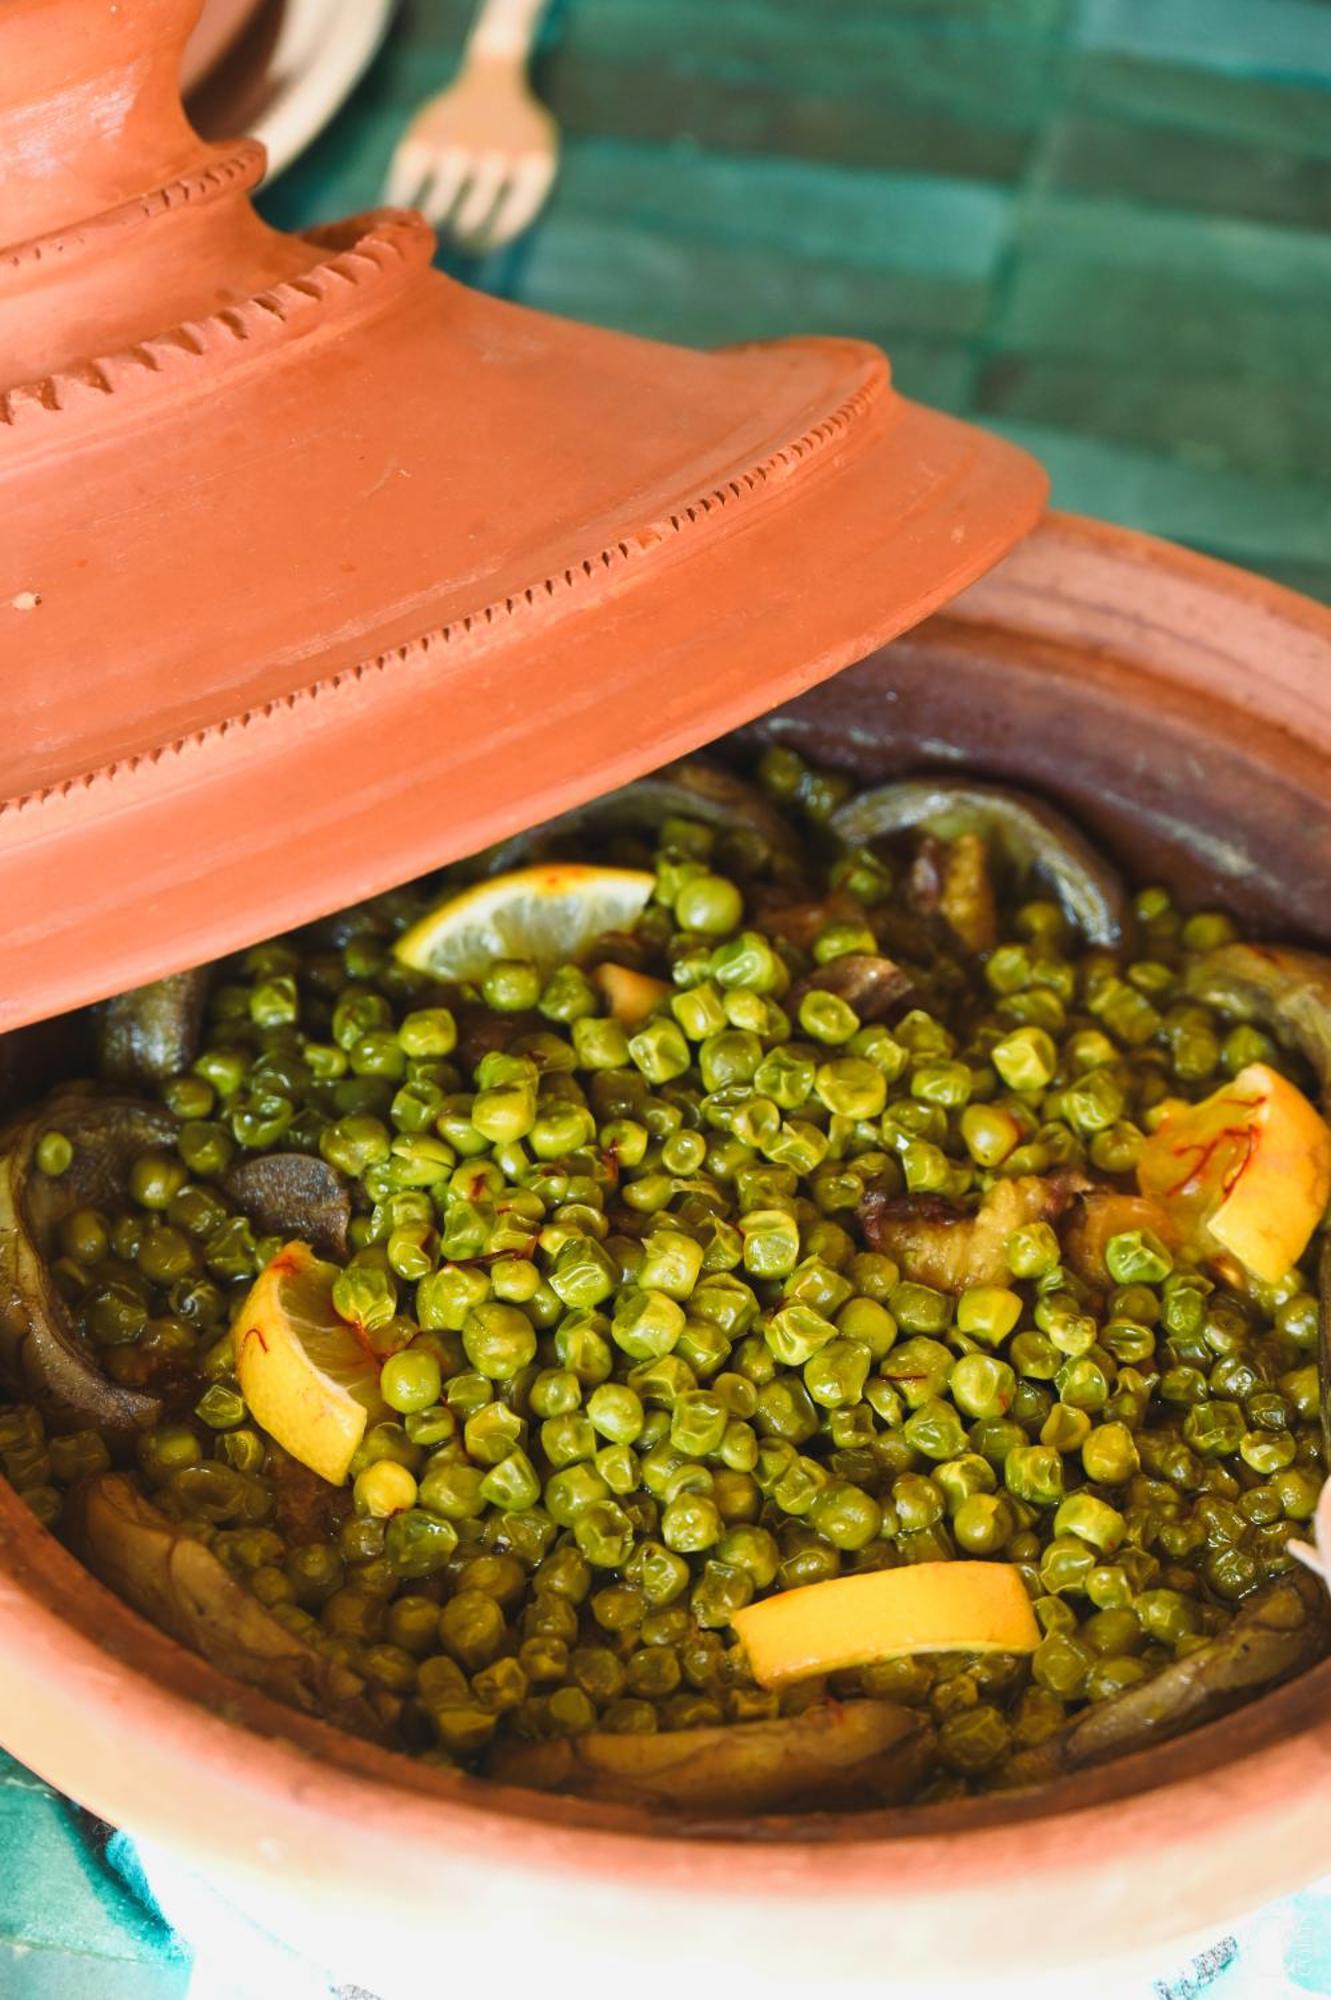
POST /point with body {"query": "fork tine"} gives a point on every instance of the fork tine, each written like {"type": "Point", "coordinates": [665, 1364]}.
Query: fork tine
{"type": "Point", "coordinates": [479, 197]}
{"type": "Point", "coordinates": [447, 180]}
{"type": "Point", "coordinates": [408, 173]}
{"type": "Point", "coordinates": [522, 200]}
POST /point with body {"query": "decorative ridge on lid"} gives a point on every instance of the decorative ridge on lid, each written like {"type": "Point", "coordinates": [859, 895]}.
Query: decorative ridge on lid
{"type": "Point", "coordinates": [117, 222]}
{"type": "Point", "coordinates": [366, 252]}
{"type": "Point", "coordinates": [237, 167]}
{"type": "Point", "coordinates": [471, 629]}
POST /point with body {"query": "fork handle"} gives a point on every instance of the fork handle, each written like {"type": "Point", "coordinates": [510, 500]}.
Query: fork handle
{"type": "Point", "coordinates": [505, 30]}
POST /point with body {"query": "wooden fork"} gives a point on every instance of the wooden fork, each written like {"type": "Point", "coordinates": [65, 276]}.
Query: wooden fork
{"type": "Point", "coordinates": [480, 159]}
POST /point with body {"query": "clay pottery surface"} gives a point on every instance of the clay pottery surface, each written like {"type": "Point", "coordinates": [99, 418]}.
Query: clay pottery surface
{"type": "Point", "coordinates": [314, 552]}
{"type": "Point", "coordinates": [1183, 711]}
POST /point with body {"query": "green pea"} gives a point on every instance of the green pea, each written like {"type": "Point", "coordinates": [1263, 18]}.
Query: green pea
{"type": "Point", "coordinates": [512, 1484]}
{"type": "Point", "coordinates": [797, 1332]}
{"type": "Point", "coordinates": [616, 1412]}
{"type": "Point", "coordinates": [983, 1524]}
{"type": "Point", "coordinates": [825, 1017]}
{"type": "Point", "coordinates": [698, 1422]}
{"type": "Point", "coordinates": [710, 904]}
{"type": "Point", "coordinates": [647, 1324]}
{"type": "Point", "coordinates": [836, 1373]}
{"type": "Point", "coordinates": [155, 1179]}
{"type": "Point", "coordinates": [1137, 1256]}
{"type": "Point", "coordinates": [1298, 1490]}
{"type": "Point", "coordinates": [1214, 1429]}
{"type": "Point", "coordinates": [918, 1369]}
{"type": "Point", "coordinates": [771, 1242]}
{"type": "Point", "coordinates": [1032, 1251]}
{"type": "Point", "coordinates": [1092, 1520]}
{"type": "Point", "coordinates": [935, 1430]}
{"type": "Point", "coordinates": [846, 1516]}
{"type": "Point", "coordinates": [988, 1313]}
{"type": "Point", "coordinates": [1034, 1473]}
{"type": "Point", "coordinates": [748, 960]}
{"type": "Point", "coordinates": [920, 1502]}
{"type": "Point", "coordinates": [1026, 1059]}
{"type": "Point", "coordinates": [568, 995]}
{"type": "Point", "coordinates": [919, 1309]}
{"type": "Point", "coordinates": [220, 1408]}
{"type": "Point", "coordinates": [498, 1340]}
{"type": "Point", "coordinates": [785, 1411]}
{"type": "Point", "coordinates": [660, 1051]}
{"type": "Point", "coordinates": [355, 1143]}
{"type": "Point", "coordinates": [982, 1386]}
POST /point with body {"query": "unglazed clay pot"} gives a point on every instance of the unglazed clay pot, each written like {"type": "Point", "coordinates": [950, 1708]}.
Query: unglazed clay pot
{"type": "Point", "coordinates": [1183, 710]}
{"type": "Point", "coordinates": [322, 571]}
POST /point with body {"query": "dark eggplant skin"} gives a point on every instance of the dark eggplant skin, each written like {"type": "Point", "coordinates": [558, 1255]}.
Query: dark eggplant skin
{"type": "Point", "coordinates": [153, 1031]}
{"type": "Point", "coordinates": [693, 788]}
{"type": "Point", "coordinates": [42, 1356]}
{"type": "Point", "coordinates": [1031, 836]}
{"type": "Point", "coordinates": [293, 1194]}
{"type": "Point", "coordinates": [1276, 1633]}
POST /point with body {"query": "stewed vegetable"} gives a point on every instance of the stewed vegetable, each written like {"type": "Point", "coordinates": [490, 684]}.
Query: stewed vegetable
{"type": "Point", "coordinates": [755, 1298]}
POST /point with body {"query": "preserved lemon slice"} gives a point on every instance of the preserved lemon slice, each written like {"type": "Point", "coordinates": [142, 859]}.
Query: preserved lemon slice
{"type": "Point", "coordinates": [303, 1372]}
{"type": "Point", "coordinates": [946, 1607]}
{"type": "Point", "coordinates": [550, 915]}
{"type": "Point", "coordinates": [1247, 1170]}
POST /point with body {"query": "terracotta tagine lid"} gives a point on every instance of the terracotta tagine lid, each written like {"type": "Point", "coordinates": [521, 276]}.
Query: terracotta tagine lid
{"type": "Point", "coordinates": [320, 570]}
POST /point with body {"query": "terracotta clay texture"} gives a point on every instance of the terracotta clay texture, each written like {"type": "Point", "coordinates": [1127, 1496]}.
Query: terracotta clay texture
{"type": "Point", "coordinates": [313, 552]}
{"type": "Point", "coordinates": [1159, 695]}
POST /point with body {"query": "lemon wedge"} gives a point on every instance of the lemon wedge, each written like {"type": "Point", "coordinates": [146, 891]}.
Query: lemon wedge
{"type": "Point", "coordinates": [550, 915]}
{"type": "Point", "coordinates": [1248, 1168]}
{"type": "Point", "coordinates": [306, 1377]}
{"type": "Point", "coordinates": [946, 1607]}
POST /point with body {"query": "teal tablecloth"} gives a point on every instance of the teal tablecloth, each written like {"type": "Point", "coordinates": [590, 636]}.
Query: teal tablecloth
{"type": "Point", "coordinates": [1098, 225]}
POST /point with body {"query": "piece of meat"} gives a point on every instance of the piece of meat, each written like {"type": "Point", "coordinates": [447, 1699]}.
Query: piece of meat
{"type": "Point", "coordinates": [941, 1243]}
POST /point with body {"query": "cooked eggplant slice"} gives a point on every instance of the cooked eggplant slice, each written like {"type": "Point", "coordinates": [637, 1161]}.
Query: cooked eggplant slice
{"type": "Point", "coordinates": [294, 1194]}
{"type": "Point", "coordinates": [1274, 1635]}
{"type": "Point", "coordinates": [152, 1032]}
{"type": "Point", "coordinates": [1031, 837]}
{"type": "Point", "coordinates": [857, 1752]}
{"type": "Point", "coordinates": [181, 1588]}
{"type": "Point", "coordinates": [690, 789]}
{"type": "Point", "coordinates": [1288, 991]}
{"type": "Point", "coordinates": [42, 1355]}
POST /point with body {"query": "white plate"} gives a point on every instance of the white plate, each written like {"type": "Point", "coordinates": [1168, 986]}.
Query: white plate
{"type": "Point", "coordinates": [291, 73]}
